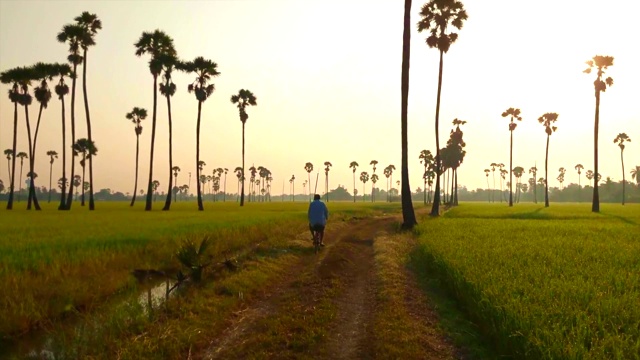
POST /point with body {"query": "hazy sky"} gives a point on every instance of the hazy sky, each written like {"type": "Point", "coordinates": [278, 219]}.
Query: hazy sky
{"type": "Point", "coordinates": [327, 78]}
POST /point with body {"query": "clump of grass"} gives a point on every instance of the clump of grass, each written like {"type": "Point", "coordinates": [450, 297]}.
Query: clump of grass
{"type": "Point", "coordinates": [562, 286]}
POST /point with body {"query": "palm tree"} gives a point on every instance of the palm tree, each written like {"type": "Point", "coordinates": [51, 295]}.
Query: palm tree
{"type": "Point", "coordinates": [168, 62]}
{"type": "Point", "coordinates": [90, 25]}
{"type": "Point", "coordinates": [374, 163]}
{"type": "Point", "coordinates": [601, 63]}
{"type": "Point", "coordinates": [87, 149]}
{"type": "Point", "coordinates": [374, 180]}
{"type": "Point", "coordinates": [493, 169]}
{"type": "Point", "coordinates": [23, 80]}
{"type": "Point", "coordinates": [560, 177]}
{"type": "Point", "coordinates": [486, 173]}
{"type": "Point", "coordinates": [620, 139]}
{"type": "Point", "coordinates": [204, 69]}
{"type": "Point", "coordinates": [293, 188]}
{"type": "Point", "coordinates": [437, 15]}
{"type": "Point", "coordinates": [518, 171]}
{"type": "Point", "coordinates": [52, 155]}
{"type": "Point", "coordinates": [514, 114]}
{"type": "Point", "coordinates": [547, 120]}
{"type": "Point", "coordinates": [533, 171]}
{"type": "Point", "coordinates": [354, 165]}
{"type": "Point", "coordinates": [426, 159]}
{"type": "Point", "coordinates": [391, 169]}
{"type": "Point", "coordinates": [364, 177]}
{"type": "Point", "coordinates": [42, 72]}
{"type": "Point", "coordinates": [154, 186]}
{"type": "Point", "coordinates": [503, 173]}
{"type": "Point", "coordinates": [327, 167]}
{"type": "Point", "coordinates": [63, 183]}
{"type": "Point", "coordinates": [224, 195]}
{"type": "Point", "coordinates": [387, 174]}
{"type": "Point", "coordinates": [175, 170]}
{"type": "Point", "coordinates": [62, 89]}
{"type": "Point", "coordinates": [635, 174]}
{"type": "Point", "coordinates": [244, 98]}
{"type": "Point", "coordinates": [589, 176]}
{"type": "Point", "coordinates": [72, 34]}
{"type": "Point", "coordinates": [22, 155]}
{"type": "Point", "coordinates": [136, 116]}
{"type": "Point", "coordinates": [160, 46]}
{"type": "Point", "coordinates": [9, 154]}
{"type": "Point", "coordinates": [13, 76]}
{"type": "Point", "coordinates": [579, 168]}
{"type": "Point", "coordinates": [308, 167]}
{"type": "Point", "coordinates": [200, 169]}
{"type": "Point", "coordinates": [239, 175]}
{"type": "Point", "coordinates": [77, 181]}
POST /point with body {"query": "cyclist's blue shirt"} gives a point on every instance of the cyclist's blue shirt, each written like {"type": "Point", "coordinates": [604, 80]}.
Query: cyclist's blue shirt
{"type": "Point", "coordinates": [318, 213]}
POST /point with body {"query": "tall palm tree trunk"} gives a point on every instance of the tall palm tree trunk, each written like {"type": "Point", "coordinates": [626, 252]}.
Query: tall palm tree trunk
{"type": "Point", "coordinates": [546, 175]}
{"type": "Point", "coordinates": [200, 206]}
{"type": "Point", "coordinates": [493, 190]}
{"type": "Point", "coordinates": [13, 158]}
{"type": "Point", "coordinates": [424, 190]}
{"type": "Point", "coordinates": [135, 186]}
{"type": "Point", "coordinates": [64, 159]}
{"type": "Point", "coordinates": [511, 168]}
{"type": "Point", "coordinates": [623, 178]}
{"type": "Point", "coordinates": [242, 178]}
{"type": "Point", "coordinates": [327, 186]}
{"type": "Point", "coordinates": [175, 193]}
{"type": "Point", "coordinates": [149, 199]}
{"type": "Point", "coordinates": [84, 167]}
{"type": "Point", "coordinates": [488, 192]}
{"type": "Point", "coordinates": [435, 210]}
{"type": "Point", "coordinates": [408, 215]}
{"type": "Point", "coordinates": [33, 161]}
{"type": "Point", "coordinates": [595, 204]}
{"type": "Point", "coordinates": [167, 201]}
{"type": "Point", "coordinates": [50, 176]}
{"type": "Point", "coordinates": [92, 205]}
{"type": "Point", "coordinates": [73, 134]}
{"type": "Point", "coordinates": [354, 188]}
{"type": "Point", "coordinates": [31, 196]}
{"type": "Point", "coordinates": [309, 178]}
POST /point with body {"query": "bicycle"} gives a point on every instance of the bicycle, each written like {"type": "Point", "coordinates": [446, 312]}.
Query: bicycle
{"type": "Point", "coordinates": [316, 239]}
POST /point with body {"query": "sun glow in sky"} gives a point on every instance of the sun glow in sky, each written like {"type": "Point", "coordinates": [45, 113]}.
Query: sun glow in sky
{"type": "Point", "coordinates": [327, 78]}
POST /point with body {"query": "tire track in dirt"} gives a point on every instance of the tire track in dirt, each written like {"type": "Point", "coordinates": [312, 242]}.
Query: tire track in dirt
{"type": "Point", "coordinates": [352, 262]}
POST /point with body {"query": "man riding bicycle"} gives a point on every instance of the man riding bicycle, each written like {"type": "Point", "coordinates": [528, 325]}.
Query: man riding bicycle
{"type": "Point", "coordinates": [318, 215]}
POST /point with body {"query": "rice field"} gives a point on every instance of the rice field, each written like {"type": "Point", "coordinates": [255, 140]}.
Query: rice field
{"type": "Point", "coordinates": [53, 263]}
{"type": "Point", "coordinates": [542, 283]}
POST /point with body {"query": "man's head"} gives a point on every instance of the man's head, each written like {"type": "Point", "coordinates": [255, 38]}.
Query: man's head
{"type": "Point", "coordinates": [316, 197]}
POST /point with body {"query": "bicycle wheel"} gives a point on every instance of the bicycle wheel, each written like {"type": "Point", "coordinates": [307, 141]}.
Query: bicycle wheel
{"type": "Point", "coordinates": [316, 241]}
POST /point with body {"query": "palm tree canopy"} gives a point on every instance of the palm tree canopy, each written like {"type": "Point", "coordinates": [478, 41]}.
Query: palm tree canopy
{"type": "Point", "coordinates": [90, 25]}
{"type": "Point", "coordinates": [353, 165]}
{"type": "Point", "coordinates": [547, 121]}
{"type": "Point", "coordinates": [601, 63]}
{"type": "Point", "coordinates": [204, 69]}
{"type": "Point", "coordinates": [518, 171]}
{"type": "Point", "coordinates": [84, 146]}
{"type": "Point", "coordinates": [374, 178]}
{"type": "Point", "coordinates": [437, 16]}
{"type": "Point", "coordinates": [22, 155]}
{"type": "Point", "coordinates": [53, 154]}
{"type": "Point", "coordinates": [620, 139]}
{"type": "Point", "coordinates": [73, 34]}
{"type": "Point", "coordinates": [579, 167]}
{"type": "Point", "coordinates": [514, 114]}
{"type": "Point", "coordinates": [159, 45]}
{"type": "Point", "coordinates": [244, 98]}
{"type": "Point", "coordinates": [364, 177]}
{"type": "Point", "coordinates": [8, 153]}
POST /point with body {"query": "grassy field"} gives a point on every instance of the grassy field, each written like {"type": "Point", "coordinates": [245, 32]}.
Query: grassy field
{"type": "Point", "coordinates": [53, 263]}
{"type": "Point", "coordinates": [542, 283]}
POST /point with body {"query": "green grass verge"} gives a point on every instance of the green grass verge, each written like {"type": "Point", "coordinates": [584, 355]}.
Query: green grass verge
{"type": "Point", "coordinates": [55, 262]}
{"type": "Point", "coordinates": [543, 283]}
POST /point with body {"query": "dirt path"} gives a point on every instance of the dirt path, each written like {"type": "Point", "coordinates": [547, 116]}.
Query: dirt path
{"type": "Point", "coordinates": [323, 308]}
